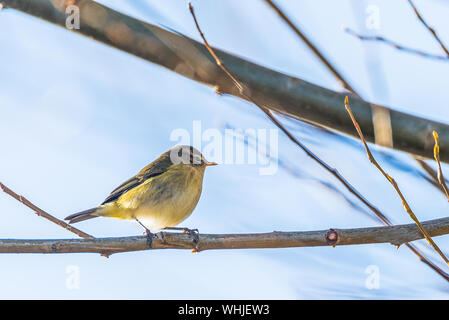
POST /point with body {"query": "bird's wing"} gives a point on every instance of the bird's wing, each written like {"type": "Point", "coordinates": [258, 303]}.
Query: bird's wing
{"type": "Point", "coordinates": [158, 167]}
{"type": "Point", "coordinates": [128, 185]}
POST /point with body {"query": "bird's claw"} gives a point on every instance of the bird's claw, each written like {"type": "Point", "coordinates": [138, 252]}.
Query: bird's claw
{"type": "Point", "coordinates": [190, 231]}
{"type": "Point", "coordinates": [149, 238]}
{"type": "Point", "coordinates": [195, 234]}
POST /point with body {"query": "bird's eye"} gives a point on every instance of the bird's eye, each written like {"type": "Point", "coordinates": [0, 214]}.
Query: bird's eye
{"type": "Point", "coordinates": [196, 159]}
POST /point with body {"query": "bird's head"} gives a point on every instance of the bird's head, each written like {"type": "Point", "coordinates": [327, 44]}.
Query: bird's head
{"type": "Point", "coordinates": [190, 156]}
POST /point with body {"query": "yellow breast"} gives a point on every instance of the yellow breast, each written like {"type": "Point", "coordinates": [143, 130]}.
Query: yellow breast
{"type": "Point", "coordinates": [162, 201]}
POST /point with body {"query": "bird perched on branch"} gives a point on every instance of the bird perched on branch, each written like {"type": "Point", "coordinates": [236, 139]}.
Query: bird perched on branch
{"type": "Point", "coordinates": [160, 196]}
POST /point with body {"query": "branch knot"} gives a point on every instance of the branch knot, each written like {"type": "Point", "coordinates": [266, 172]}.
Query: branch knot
{"type": "Point", "coordinates": [331, 237]}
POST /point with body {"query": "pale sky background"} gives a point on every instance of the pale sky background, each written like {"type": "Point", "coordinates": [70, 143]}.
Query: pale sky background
{"type": "Point", "coordinates": [78, 118]}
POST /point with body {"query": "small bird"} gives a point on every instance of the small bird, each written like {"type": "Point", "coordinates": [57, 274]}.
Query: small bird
{"type": "Point", "coordinates": [160, 196]}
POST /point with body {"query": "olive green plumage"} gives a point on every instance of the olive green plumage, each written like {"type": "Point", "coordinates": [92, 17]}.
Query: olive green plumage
{"type": "Point", "coordinates": [161, 195]}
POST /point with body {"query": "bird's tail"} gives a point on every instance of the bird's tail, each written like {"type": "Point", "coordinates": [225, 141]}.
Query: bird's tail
{"type": "Point", "coordinates": [81, 216]}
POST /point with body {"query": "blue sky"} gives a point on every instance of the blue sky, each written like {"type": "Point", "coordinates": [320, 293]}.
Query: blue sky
{"type": "Point", "coordinates": [78, 118]}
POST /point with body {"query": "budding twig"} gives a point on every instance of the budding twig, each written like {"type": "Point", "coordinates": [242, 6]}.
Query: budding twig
{"type": "Point", "coordinates": [394, 184]}
{"type": "Point", "coordinates": [334, 172]}
{"type": "Point", "coordinates": [436, 154]}
{"type": "Point", "coordinates": [244, 92]}
{"type": "Point", "coordinates": [318, 53]}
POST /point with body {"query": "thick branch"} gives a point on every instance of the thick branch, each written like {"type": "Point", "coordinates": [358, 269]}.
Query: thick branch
{"type": "Point", "coordinates": [395, 235]}
{"type": "Point", "coordinates": [275, 90]}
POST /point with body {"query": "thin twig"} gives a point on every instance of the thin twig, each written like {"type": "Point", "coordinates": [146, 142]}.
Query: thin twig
{"type": "Point", "coordinates": [433, 180]}
{"type": "Point", "coordinates": [394, 184]}
{"type": "Point", "coordinates": [431, 172]}
{"type": "Point", "coordinates": [395, 235]}
{"type": "Point", "coordinates": [426, 167]}
{"type": "Point", "coordinates": [337, 74]}
{"type": "Point", "coordinates": [44, 214]}
{"type": "Point", "coordinates": [312, 47]}
{"type": "Point", "coordinates": [436, 153]}
{"type": "Point", "coordinates": [334, 172]}
{"type": "Point", "coordinates": [427, 261]}
{"type": "Point", "coordinates": [244, 92]}
{"type": "Point", "coordinates": [396, 45]}
{"type": "Point", "coordinates": [431, 30]}
{"type": "Point", "coordinates": [303, 147]}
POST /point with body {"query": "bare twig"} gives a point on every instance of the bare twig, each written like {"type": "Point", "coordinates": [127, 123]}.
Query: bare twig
{"type": "Point", "coordinates": [431, 30]}
{"type": "Point", "coordinates": [303, 147]}
{"type": "Point", "coordinates": [383, 218]}
{"type": "Point", "coordinates": [44, 214]}
{"type": "Point", "coordinates": [425, 260]}
{"type": "Point", "coordinates": [394, 184]}
{"type": "Point", "coordinates": [436, 152]}
{"type": "Point", "coordinates": [338, 75]}
{"type": "Point", "coordinates": [395, 235]}
{"type": "Point", "coordinates": [244, 91]}
{"type": "Point", "coordinates": [311, 46]}
{"type": "Point", "coordinates": [342, 80]}
{"type": "Point", "coordinates": [431, 172]}
{"type": "Point", "coordinates": [334, 172]}
{"type": "Point", "coordinates": [396, 45]}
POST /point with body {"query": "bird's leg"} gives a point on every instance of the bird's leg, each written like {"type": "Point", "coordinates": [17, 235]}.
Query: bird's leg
{"type": "Point", "coordinates": [194, 233]}
{"type": "Point", "coordinates": [148, 233]}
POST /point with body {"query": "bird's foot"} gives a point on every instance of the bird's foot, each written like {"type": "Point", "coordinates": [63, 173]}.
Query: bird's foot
{"type": "Point", "coordinates": [190, 231]}
{"type": "Point", "coordinates": [194, 233]}
{"type": "Point", "coordinates": [149, 237]}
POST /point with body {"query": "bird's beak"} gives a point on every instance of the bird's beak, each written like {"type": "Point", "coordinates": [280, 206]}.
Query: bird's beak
{"type": "Point", "coordinates": [211, 164]}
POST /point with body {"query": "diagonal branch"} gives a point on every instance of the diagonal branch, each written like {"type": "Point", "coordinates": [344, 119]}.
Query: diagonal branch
{"type": "Point", "coordinates": [431, 30]}
{"type": "Point", "coordinates": [278, 92]}
{"type": "Point", "coordinates": [429, 170]}
{"type": "Point", "coordinates": [312, 47]}
{"type": "Point", "coordinates": [394, 184]}
{"type": "Point", "coordinates": [44, 214]}
{"type": "Point", "coordinates": [379, 214]}
{"type": "Point", "coordinates": [383, 218]}
{"type": "Point", "coordinates": [244, 91]}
